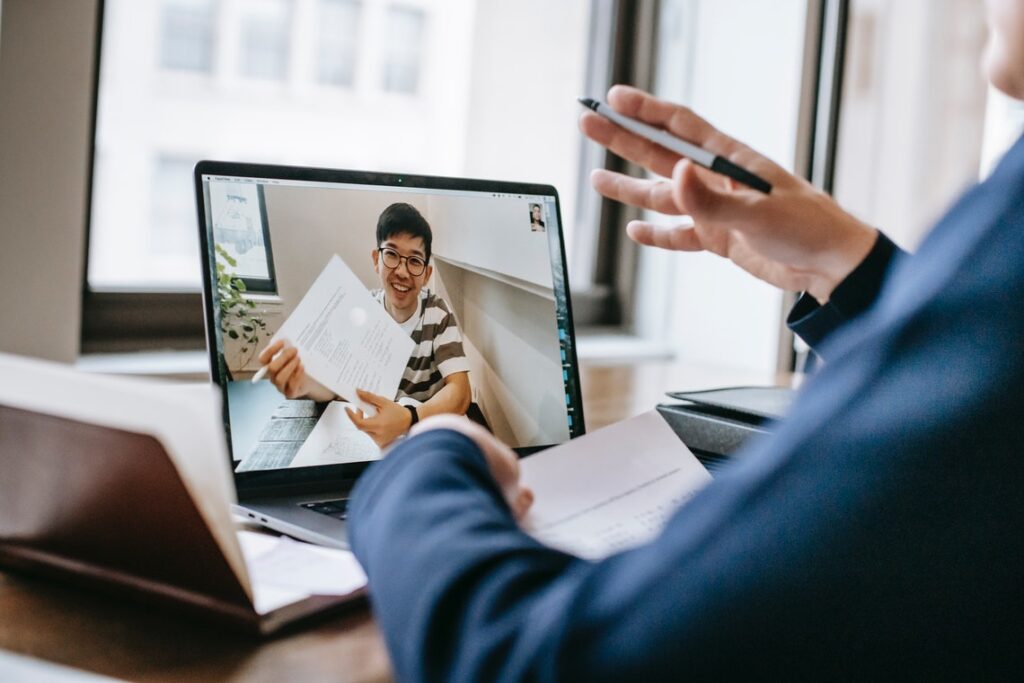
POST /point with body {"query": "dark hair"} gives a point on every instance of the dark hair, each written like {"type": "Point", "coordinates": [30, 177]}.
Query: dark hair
{"type": "Point", "coordinates": [404, 219]}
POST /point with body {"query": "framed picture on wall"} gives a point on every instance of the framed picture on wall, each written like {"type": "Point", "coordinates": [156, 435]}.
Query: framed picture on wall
{"type": "Point", "coordinates": [239, 213]}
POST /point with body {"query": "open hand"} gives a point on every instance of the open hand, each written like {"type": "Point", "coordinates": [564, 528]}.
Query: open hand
{"type": "Point", "coordinates": [796, 238]}
{"type": "Point", "coordinates": [391, 421]}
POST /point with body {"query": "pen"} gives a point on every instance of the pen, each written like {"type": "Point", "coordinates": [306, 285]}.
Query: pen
{"type": "Point", "coordinates": [262, 372]}
{"type": "Point", "coordinates": [696, 154]}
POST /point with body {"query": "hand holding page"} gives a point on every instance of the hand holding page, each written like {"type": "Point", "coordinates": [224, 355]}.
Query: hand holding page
{"type": "Point", "coordinates": [611, 489]}
{"type": "Point", "coordinates": [346, 340]}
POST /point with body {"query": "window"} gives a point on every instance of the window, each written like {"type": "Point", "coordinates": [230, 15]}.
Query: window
{"type": "Point", "coordinates": [171, 215]}
{"type": "Point", "coordinates": [338, 42]}
{"type": "Point", "coordinates": [461, 58]}
{"type": "Point", "coordinates": [186, 35]}
{"type": "Point", "coordinates": [264, 40]}
{"type": "Point", "coordinates": [743, 66]}
{"type": "Point", "coordinates": [905, 152]}
{"type": "Point", "coordinates": [404, 50]}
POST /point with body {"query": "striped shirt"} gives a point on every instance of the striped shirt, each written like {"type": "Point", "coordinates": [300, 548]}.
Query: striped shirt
{"type": "Point", "coordinates": [438, 351]}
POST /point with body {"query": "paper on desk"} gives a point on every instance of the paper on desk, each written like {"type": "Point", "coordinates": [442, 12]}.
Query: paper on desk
{"type": "Point", "coordinates": [611, 489]}
{"type": "Point", "coordinates": [345, 339]}
{"type": "Point", "coordinates": [284, 571]}
{"type": "Point", "coordinates": [334, 440]}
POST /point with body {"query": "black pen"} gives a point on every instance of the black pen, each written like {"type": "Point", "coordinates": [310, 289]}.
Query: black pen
{"type": "Point", "coordinates": [697, 155]}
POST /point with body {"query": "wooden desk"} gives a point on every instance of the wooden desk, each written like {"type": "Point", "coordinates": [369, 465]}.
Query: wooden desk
{"type": "Point", "coordinates": [81, 629]}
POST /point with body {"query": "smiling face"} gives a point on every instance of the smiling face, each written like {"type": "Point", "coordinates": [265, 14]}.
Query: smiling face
{"type": "Point", "coordinates": [401, 288]}
{"type": "Point", "coordinates": [1004, 54]}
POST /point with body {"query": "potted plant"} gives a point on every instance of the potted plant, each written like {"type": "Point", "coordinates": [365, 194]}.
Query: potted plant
{"type": "Point", "coordinates": [239, 319]}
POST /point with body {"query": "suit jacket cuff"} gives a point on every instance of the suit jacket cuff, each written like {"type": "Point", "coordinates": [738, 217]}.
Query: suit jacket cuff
{"type": "Point", "coordinates": [813, 322]}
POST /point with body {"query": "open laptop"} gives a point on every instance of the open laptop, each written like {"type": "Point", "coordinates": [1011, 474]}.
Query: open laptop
{"type": "Point", "coordinates": [497, 262]}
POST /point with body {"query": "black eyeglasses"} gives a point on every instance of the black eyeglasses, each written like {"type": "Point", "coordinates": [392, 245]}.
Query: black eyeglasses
{"type": "Point", "coordinates": [392, 259]}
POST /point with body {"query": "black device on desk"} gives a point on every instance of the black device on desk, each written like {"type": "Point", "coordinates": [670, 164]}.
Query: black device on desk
{"type": "Point", "coordinates": [715, 423]}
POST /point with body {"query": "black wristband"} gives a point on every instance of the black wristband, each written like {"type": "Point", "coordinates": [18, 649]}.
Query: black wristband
{"type": "Point", "coordinates": [415, 414]}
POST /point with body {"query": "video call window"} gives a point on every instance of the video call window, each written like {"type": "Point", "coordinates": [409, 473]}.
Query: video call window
{"type": "Point", "coordinates": [498, 296]}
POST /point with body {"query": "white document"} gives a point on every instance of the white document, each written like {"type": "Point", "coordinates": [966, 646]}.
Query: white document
{"type": "Point", "coordinates": [334, 440]}
{"type": "Point", "coordinates": [346, 340]}
{"type": "Point", "coordinates": [284, 571]}
{"type": "Point", "coordinates": [611, 489]}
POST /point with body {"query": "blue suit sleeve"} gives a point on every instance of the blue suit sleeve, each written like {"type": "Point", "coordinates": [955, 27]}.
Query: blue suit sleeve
{"type": "Point", "coordinates": [448, 564]}
{"type": "Point", "coordinates": [813, 322]}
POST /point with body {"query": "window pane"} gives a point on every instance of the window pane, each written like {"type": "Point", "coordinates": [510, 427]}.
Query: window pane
{"type": "Point", "coordinates": [172, 215]}
{"type": "Point", "coordinates": [404, 50]}
{"type": "Point", "coordinates": [265, 30]}
{"type": "Point", "coordinates": [186, 35]}
{"type": "Point", "coordinates": [338, 42]}
{"type": "Point", "coordinates": [904, 153]}
{"type": "Point", "coordinates": [738, 64]}
{"type": "Point", "coordinates": [153, 124]}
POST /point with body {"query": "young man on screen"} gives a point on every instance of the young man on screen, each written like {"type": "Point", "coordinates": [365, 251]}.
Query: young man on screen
{"type": "Point", "coordinates": [436, 378]}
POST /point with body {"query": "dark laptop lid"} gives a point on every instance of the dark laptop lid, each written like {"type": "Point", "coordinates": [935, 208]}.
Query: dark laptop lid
{"type": "Point", "coordinates": [498, 264]}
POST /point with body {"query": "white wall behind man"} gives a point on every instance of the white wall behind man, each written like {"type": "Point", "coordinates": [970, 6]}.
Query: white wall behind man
{"type": "Point", "coordinates": [46, 64]}
{"type": "Point", "coordinates": [309, 225]}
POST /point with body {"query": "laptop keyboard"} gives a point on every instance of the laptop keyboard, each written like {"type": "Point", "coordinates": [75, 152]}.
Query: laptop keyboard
{"type": "Point", "coordinates": [332, 508]}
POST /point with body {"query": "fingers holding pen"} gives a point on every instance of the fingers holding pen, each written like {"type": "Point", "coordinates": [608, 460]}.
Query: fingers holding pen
{"type": "Point", "coordinates": [692, 190]}
{"type": "Point", "coordinates": [283, 368]}
{"type": "Point", "coordinates": [655, 195]}
{"type": "Point", "coordinates": [676, 238]}
{"type": "Point", "coordinates": [675, 118]}
{"type": "Point", "coordinates": [680, 122]}
{"type": "Point", "coordinates": [268, 353]}
{"type": "Point", "coordinates": [628, 145]}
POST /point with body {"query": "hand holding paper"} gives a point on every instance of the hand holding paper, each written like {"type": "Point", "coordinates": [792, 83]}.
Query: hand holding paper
{"type": "Point", "coordinates": [611, 489]}
{"type": "Point", "coordinates": [342, 339]}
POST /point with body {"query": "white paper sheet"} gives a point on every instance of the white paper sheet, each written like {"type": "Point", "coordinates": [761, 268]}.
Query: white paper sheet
{"type": "Point", "coordinates": [334, 440]}
{"type": "Point", "coordinates": [611, 489]}
{"type": "Point", "coordinates": [345, 339]}
{"type": "Point", "coordinates": [284, 571]}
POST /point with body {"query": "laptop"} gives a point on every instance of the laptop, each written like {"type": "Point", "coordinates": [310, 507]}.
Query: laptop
{"type": "Point", "coordinates": [491, 300]}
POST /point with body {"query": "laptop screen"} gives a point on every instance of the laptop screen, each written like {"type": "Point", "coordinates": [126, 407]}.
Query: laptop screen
{"type": "Point", "coordinates": [473, 271]}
